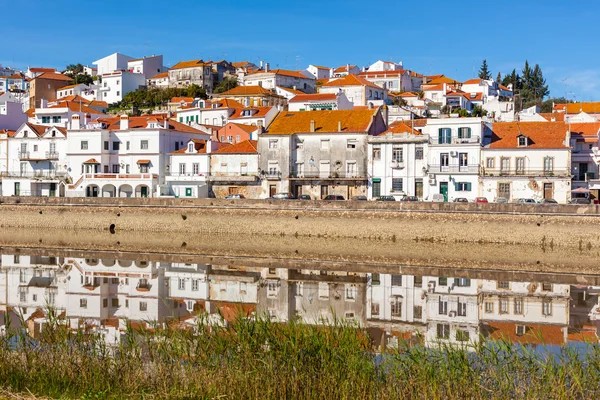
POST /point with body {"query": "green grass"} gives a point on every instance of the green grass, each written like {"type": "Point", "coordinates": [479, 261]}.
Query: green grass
{"type": "Point", "coordinates": [251, 359]}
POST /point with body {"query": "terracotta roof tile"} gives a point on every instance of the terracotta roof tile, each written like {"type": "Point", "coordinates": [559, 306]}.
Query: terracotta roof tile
{"type": "Point", "coordinates": [535, 333]}
{"type": "Point", "coordinates": [245, 147]}
{"type": "Point", "coordinates": [576, 108]}
{"type": "Point", "coordinates": [188, 64]}
{"type": "Point", "coordinates": [432, 88]}
{"type": "Point", "coordinates": [54, 76]}
{"type": "Point", "coordinates": [182, 100]}
{"type": "Point", "coordinates": [248, 91]}
{"type": "Point", "coordinates": [504, 87]}
{"type": "Point", "coordinates": [344, 68]}
{"type": "Point", "coordinates": [76, 107]}
{"type": "Point", "coordinates": [260, 112]}
{"type": "Point", "coordinates": [350, 80]}
{"type": "Point", "coordinates": [284, 72]}
{"type": "Point", "coordinates": [443, 79]}
{"type": "Point", "coordinates": [288, 123]}
{"type": "Point", "coordinates": [474, 81]}
{"type": "Point", "coordinates": [42, 69]}
{"type": "Point", "coordinates": [553, 116]}
{"type": "Point", "coordinates": [542, 135]}
{"type": "Point", "coordinates": [399, 129]}
{"type": "Point", "coordinates": [301, 98]}
{"type": "Point", "coordinates": [91, 161]}
{"type": "Point", "coordinates": [161, 75]}
{"type": "Point", "coordinates": [291, 90]}
{"type": "Point", "coordinates": [408, 94]}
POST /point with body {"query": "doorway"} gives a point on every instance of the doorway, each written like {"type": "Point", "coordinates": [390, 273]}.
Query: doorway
{"type": "Point", "coordinates": [376, 191]}
{"type": "Point", "coordinates": [144, 191]}
{"type": "Point", "coordinates": [324, 191]}
{"type": "Point", "coordinates": [272, 190]}
{"type": "Point", "coordinates": [17, 188]}
{"type": "Point", "coordinates": [444, 190]}
{"type": "Point", "coordinates": [419, 188]}
{"type": "Point", "coordinates": [548, 192]}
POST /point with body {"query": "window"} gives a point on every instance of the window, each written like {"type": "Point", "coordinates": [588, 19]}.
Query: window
{"type": "Point", "coordinates": [522, 141]}
{"type": "Point", "coordinates": [16, 258]}
{"type": "Point", "coordinates": [196, 168]}
{"type": "Point", "coordinates": [84, 145]}
{"type": "Point", "coordinates": [106, 145]}
{"type": "Point", "coordinates": [444, 159]}
{"type": "Point", "coordinates": [397, 154]}
{"type": "Point", "coordinates": [462, 282]}
{"type": "Point", "coordinates": [195, 285]}
{"type": "Point", "coordinates": [546, 287]}
{"type": "Point", "coordinates": [444, 136]}
{"type": "Point", "coordinates": [504, 164]}
{"type": "Point", "coordinates": [35, 147]}
{"type": "Point", "coordinates": [106, 169]}
{"type": "Point", "coordinates": [418, 153]}
{"type": "Point", "coordinates": [181, 169]}
{"type": "Point", "coordinates": [118, 93]}
{"type": "Point", "coordinates": [115, 168]}
{"type": "Point", "coordinates": [128, 145]}
{"type": "Point", "coordinates": [518, 303]}
{"type": "Point", "coordinates": [374, 309]}
{"type": "Point", "coordinates": [418, 280]}
{"type": "Point", "coordinates": [443, 306]}
{"type": "Point", "coordinates": [396, 184]}
{"type": "Point", "coordinates": [547, 307]}
{"type": "Point", "coordinates": [548, 164]}
{"type": "Point", "coordinates": [144, 168]}
{"type": "Point", "coordinates": [503, 284]}
{"type": "Point", "coordinates": [489, 307]}
{"type": "Point", "coordinates": [230, 139]}
{"type": "Point", "coordinates": [396, 306]}
{"type": "Point", "coordinates": [115, 303]}
{"type": "Point", "coordinates": [376, 153]}
{"type": "Point", "coordinates": [443, 331]}
{"type": "Point", "coordinates": [237, 138]}
{"type": "Point", "coordinates": [144, 145]}
{"type": "Point", "coordinates": [464, 133]}
{"type": "Point", "coordinates": [463, 186]}
{"type": "Point", "coordinates": [325, 144]}
{"type": "Point", "coordinates": [462, 308]}
{"type": "Point", "coordinates": [396, 280]}
{"type": "Point", "coordinates": [299, 143]}
{"type": "Point", "coordinates": [45, 120]}
{"type": "Point", "coordinates": [273, 168]}
{"type": "Point", "coordinates": [273, 144]}
{"type": "Point", "coordinates": [22, 276]}
{"type": "Point", "coordinates": [521, 330]}
{"type": "Point", "coordinates": [181, 284]}
{"type": "Point", "coordinates": [143, 306]}
{"type": "Point", "coordinates": [462, 335]}
{"type": "Point", "coordinates": [22, 296]}
{"type": "Point", "coordinates": [351, 143]}
{"type": "Point", "coordinates": [418, 312]}
{"type": "Point", "coordinates": [490, 162]}
{"type": "Point", "coordinates": [351, 168]}
{"type": "Point", "coordinates": [323, 290]}
{"type": "Point", "coordinates": [82, 303]}
{"type": "Point", "coordinates": [520, 165]}
{"type": "Point", "coordinates": [503, 305]}
{"type": "Point", "coordinates": [351, 292]}
{"type": "Point", "coordinates": [375, 279]}
{"type": "Point", "coordinates": [463, 160]}
{"type": "Point", "coordinates": [56, 120]}
{"type": "Point", "coordinates": [272, 289]}
{"type": "Point", "coordinates": [443, 281]}
{"type": "Point", "coordinates": [115, 146]}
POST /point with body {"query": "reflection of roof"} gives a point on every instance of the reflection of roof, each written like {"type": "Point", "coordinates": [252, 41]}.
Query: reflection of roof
{"type": "Point", "coordinates": [231, 311]}
{"type": "Point", "coordinates": [399, 129]}
{"type": "Point", "coordinates": [351, 80]}
{"type": "Point", "coordinates": [288, 123]}
{"type": "Point", "coordinates": [245, 147]}
{"type": "Point", "coordinates": [541, 135]}
{"type": "Point", "coordinates": [534, 333]}
{"type": "Point", "coordinates": [301, 98]}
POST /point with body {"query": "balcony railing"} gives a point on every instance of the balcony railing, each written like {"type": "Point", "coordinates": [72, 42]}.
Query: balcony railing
{"type": "Point", "coordinates": [38, 174]}
{"type": "Point", "coordinates": [327, 175]}
{"type": "Point", "coordinates": [234, 176]}
{"type": "Point", "coordinates": [455, 169]}
{"type": "Point", "coordinates": [448, 141]}
{"type": "Point", "coordinates": [48, 155]}
{"type": "Point", "coordinates": [119, 176]}
{"type": "Point", "coordinates": [397, 164]}
{"type": "Point", "coordinates": [526, 172]}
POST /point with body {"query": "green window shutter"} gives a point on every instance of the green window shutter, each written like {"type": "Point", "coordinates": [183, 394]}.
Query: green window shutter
{"type": "Point", "coordinates": [440, 136]}
{"type": "Point", "coordinates": [469, 186]}
{"type": "Point", "coordinates": [457, 186]}
{"type": "Point", "coordinates": [180, 119]}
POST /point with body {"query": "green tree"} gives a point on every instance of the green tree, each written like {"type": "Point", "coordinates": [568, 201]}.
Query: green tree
{"type": "Point", "coordinates": [499, 77]}
{"type": "Point", "coordinates": [484, 72]}
{"type": "Point", "coordinates": [226, 84]}
{"type": "Point", "coordinates": [546, 106]}
{"type": "Point", "coordinates": [87, 79]}
{"type": "Point", "coordinates": [478, 111]}
{"type": "Point", "coordinates": [399, 101]}
{"type": "Point", "coordinates": [196, 91]}
{"type": "Point", "coordinates": [74, 69]}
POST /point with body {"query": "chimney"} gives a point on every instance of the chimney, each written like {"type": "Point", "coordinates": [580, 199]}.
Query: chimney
{"type": "Point", "coordinates": [75, 122]}
{"type": "Point", "coordinates": [124, 122]}
{"type": "Point", "coordinates": [86, 119]}
{"type": "Point", "coordinates": [312, 125]}
{"type": "Point", "coordinates": [267, 67]}
{"type": "Point", "coordinates": [295, 87]}
{"type": "Point", "coordinates": [339, 126]}
{"type": "Point", "coordinates": [209, 144]}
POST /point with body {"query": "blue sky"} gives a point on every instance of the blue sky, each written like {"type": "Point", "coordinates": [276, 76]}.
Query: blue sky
{"type": "Point", "coordinates": [432, 37]}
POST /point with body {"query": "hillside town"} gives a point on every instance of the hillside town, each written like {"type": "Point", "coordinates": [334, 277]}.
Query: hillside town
{"type": "Point", "coordinates": [378, 132]}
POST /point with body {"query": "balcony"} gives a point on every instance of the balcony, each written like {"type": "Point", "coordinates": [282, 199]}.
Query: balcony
{"type": "Point", "coordinates": [397, 164]}
{"type": "Point", "coordinates": [38, 174]}
{"type": "Point", "coordinates": [527, 172]}
{"type": "Point", "coordinates": [234, 177]}
{"type": "Point", "coordinates": [454, 169]}
{"type": "Point", "coordinates": [453, 140]}
{"type": "Point", "coordinates": [143, 286]}
{"type": "Point", "coordinates": [28, 156]}
{"type": "Point", "coordinates": [323, 175]}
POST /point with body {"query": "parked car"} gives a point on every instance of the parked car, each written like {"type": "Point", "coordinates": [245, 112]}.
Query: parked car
{"type": "Point", "coordinates": [304, 197]}
{"type": "Point", "coordinates": [548, 201]}
{"type": "Point", "coordinates": [481, 200]}
{"type": "Point", "coordinates": [412, 199]}
{"type": "Point", "coordinates": [438, 198]}
{"type": "Point", "coordinates": [461, 200]}
{"type": "Point", "coordinates": [359, 198]}
{"type": "Point", "coordinates": [283, 196]}
{"type": "Point", "coordinates": [580, 200]}
{"type": "Point", "coordinates": [500, 200]}
{"type": "Point", "coordinates": [526, 201]}
{"type": "Point", "coordinates": [332, 197]}
{"type": "Point", "coordinates": [235, 196]}
{"type": "Point", "coordinates": [386, 198]}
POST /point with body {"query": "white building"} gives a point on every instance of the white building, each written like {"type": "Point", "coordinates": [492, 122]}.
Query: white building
{"type": "Point", "coordinates": [270, 79]}
{"type": "Point", "coordinates": [37, 161]}
{"type": "Point", "coordinates": [189, 168]}
{"type": "Point", "coordinates": [61, 114]}
{"type": "Point", "coordinates": [159, 80]}
{"type": "Point", "coordinates": [453, 157]}
{"type": "Point", "coordinates": [317, 72]}
{"type": "Point", "coordinates": [397, 81]}
{"type": "Point", "coordinates": [398, 163]}
{"type": "Point", "coordinates": [380, 65]}
{"type": "Point", "coordinates": [4, 135]}
{"type": "Point", "coordinates": [124, 156]}
{"type": "Point", "coordinates": [358, 90]}
{"type": "Point", "coordinates": [527, 160]}
{"type": "Point", "coordinates": [11, 112]}
{"type": "Point", "coordinates": [215, 113]}
{"type": "Point", "coordinates": [88, 92]}
{"type": "Point", "coordinates": [234, 170]}
{"type": "Point", "coordinates": [112, 63]}
{"type": "Point", "coordinates": [147, 66]}
{"type": "Point", "coordinates": [117, 84]}
{"type": "Point", "coordinates": [320, 101]}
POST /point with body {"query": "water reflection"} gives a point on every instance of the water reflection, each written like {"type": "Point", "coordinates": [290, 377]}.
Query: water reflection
{"type": "Point", "coordinates": [103, 295]}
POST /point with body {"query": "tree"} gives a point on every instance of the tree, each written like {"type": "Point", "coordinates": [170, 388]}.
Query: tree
{"type": "Point", "coordinates": [499, 77]}
{"type": "Point", "coordinates": [88, 80]}
{"type": "Point", "coordinates": [512, 79]}
{"type": "Point", "coordinates": [484, 72]}
{"type": "Point", "coordinates": [546, 106]}
{"type": "Point", "coordinates": [399, 101]}
{"type": "Point", "coordinates": [74, 69]}
{"type": "Point", "coordinates": [196, 91]}
{"type": "Point", "coordinates": [228, 83]}
{"type": "Point", "coordinates": [478, 111]}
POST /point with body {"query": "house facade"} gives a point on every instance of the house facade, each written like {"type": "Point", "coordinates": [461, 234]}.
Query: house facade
{"type": "Point", "coordinates": [11, 112]}
{"type": "Point", "coordinates": [270, 79]}
{"type": "Point", "coordinates": [193, 72]}
{"type": "Point", "coordinates": [358, 90]}
{"type": "Point", "coordinates": [234, 170]}
{"type": "Point", "coordinates": [253, 96]}
{"type": "Point", "coordinates": [44, 87]}
{"type": "Point", "coordinates": [320, 101]}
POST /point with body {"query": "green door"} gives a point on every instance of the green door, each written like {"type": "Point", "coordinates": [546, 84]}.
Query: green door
{"type": "Point", "coordinates": [144, 191]}
{"type": "Point", "coordinates": [444, 190]}
{"type": "Point", "coordinates": [376, 192]}
{"type": "Point", "coordinates": [188, 192]}
{"type": "Point", "coordinates": [17, 188]}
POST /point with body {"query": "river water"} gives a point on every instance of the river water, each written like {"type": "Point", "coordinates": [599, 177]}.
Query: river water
{"type": "Point", "coordinates": [430, 306]}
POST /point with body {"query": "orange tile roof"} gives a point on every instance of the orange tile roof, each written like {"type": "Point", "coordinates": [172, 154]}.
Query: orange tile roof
{"type": "Point", "coordinates": [300, 98]}
{"type": "Point", "coordinates": [91, 161]}
{"type": "Point", "coordinates": [188, 64]}
{"type": "Point", "coordinates": [585, 131]}
{"type": "Point", "coordinates": [54, 76]}
{"type": "Point", "coordinates": [535, 333]}
{"type": "Point", "coordinates": [182, 100]}
{"type": "Point", "coordinates": [408, 94]}
{"type": "Point", "coordinates": [240, 64]}
{"type": "Point", "coordinates": [244, 127]}
{"type": "Point", "coordinates": [98, 103]}
{"type": "Point", "coordinates": [42, 69]}
{"type": "Point", "coordinates": [30, 113]}
{"type": "Point", "coordinates": [288, 123]}
{"type": "Point", "coordinates": [39, 130]}
{"type": "Point", "coordinates": [504, 87]}
{"type": "Point", "coordinates": [284, 72]}
{"type": "Point", "coordinates": [443, 79]}
{"type": "Point", "coordinates": [161, 75]}
{"type": "Point", "coordinates": [344, 68]}
{"type": "Point", "coordinates": [74, 97]}
{"type": "Point", "coordinates": [76, 107]}
{"type": "Point", "coordinates": [261, 112]}
{"type": "Point", "coordinates": [245, 147]}
{"type": "Point", "coordinates": [553, 116]}
{"type": "Point", "coordinates": [588, 334]}
{"type": "Point", "coordinates": [351, 80]}
{"type": "Point", "coordinates": [248, 91]}
{"type": "Point", "coordinates": [590, 108]}
{"type": "Point", "coordinates": [399, 129]}
{"type": "Point", "coordinates": [474, 81]}
{"type": "Point", "coordinates": [69, 86]}
{"type": "Point", "coordinates": [542, 135]}
{"type": "Point", "coordinates": [291, 90]}
{"type": "Point", "coordinates": [141, 122]}
{"type": "Point", "coordinates": [143, 162]}
{"type": "Point", "coordinates": [431, 88]}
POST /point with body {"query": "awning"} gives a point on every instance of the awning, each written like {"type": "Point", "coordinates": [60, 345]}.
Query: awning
{"type": "Point", "coordinates": [580, 190]}
{"type": "Point", "coordinates": [143, 161]}
{"type": "Point", "coordinates": [91, 161]}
